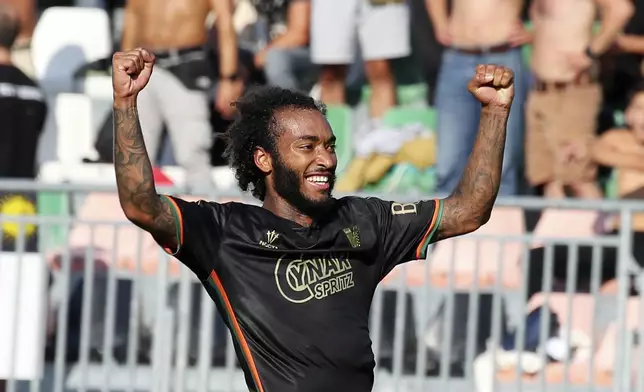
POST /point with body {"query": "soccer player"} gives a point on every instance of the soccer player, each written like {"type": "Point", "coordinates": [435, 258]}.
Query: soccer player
{"type": "Point", "coordinates": [294, 279]}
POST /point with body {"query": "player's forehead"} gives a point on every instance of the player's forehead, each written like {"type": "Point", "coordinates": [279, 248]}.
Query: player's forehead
{"type": "Point", "coordinates": [299, 124]}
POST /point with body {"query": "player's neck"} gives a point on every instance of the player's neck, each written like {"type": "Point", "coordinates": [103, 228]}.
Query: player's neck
{"type": "Point", "coordinates": [283, 209]}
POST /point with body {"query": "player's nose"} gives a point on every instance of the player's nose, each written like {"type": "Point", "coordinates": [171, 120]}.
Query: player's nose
{"type": "Point", "coordinates": [327, 159]}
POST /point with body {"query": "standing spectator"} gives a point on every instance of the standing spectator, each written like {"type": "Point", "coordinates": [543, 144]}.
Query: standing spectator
{"type": "Point", "coordinates": [286, 59]}
{"type": "Point", "coordinates": [21, 50]}
{"type": "Point", "coordinates": [382, 29]}
{"type": "Point", "coordinates": [22, 106]}
{"type": "Point", "coordinates": [475, 32]}
{"type": "Point", "coordinates": [564, 104]}
{"type": "Point", "coordinates": [177, 94]}
{"type": "Point", "coordinates": [22, 109]}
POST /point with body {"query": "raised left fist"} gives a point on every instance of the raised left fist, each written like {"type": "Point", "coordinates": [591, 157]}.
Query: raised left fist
{"type": "Point", "coordinates": [493, 86]}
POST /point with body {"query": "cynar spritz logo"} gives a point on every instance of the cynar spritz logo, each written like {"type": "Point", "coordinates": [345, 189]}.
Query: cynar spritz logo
{"type": "Point", "coordinates": [307, 278]}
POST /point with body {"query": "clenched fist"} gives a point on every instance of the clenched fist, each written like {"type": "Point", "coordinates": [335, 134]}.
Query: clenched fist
{"type": "Point", "coordinates": [131, 72]}
{"type": "Point", "coordinates": [493, 86]}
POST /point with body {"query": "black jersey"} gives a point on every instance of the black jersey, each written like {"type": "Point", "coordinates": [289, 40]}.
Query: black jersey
{"type": "Point", "coordinates": [297, 299]}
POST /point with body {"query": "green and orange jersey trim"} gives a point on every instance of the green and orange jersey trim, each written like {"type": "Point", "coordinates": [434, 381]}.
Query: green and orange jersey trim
{"type": "Point", "coordinates": [218, 288]}
{"type": "Point", "coordinates": [430, 233]}
{"type": "Point", "coordinates": [237, 333]}
{"type": "Point", "coordinates": [178, 222]}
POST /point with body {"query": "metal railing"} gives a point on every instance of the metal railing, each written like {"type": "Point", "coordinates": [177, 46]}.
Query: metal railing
{"type": "Point", "coordinates": [479, 314]}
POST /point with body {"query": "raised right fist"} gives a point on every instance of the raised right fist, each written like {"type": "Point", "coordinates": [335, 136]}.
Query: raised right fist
{"type": "Point", "coordinates": [131, 72]}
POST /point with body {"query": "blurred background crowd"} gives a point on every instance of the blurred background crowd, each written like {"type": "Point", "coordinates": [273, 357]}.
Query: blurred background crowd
{"type": "Point", "coordinates": [393, 74]}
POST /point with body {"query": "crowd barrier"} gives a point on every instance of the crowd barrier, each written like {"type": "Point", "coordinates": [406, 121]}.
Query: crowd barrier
{"type": "Point", "coordinates": [543, 297]}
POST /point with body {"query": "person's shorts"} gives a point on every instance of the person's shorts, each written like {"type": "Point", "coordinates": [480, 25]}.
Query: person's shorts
{"type": "Point", "coordinates": [561, 127]}
{"type": "Point", "coordinates": [380, 27]}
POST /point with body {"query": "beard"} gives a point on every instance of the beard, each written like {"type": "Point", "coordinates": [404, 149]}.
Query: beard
{"type": "Point", "coordinates": [288, 186]}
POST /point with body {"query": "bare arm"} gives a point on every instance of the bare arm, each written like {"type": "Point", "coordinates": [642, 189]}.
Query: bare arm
{"type": "Point", "coordinates": [614, 16]}
{"type": "Point", "coordinates": [631, 43]}
{"type": "Point", "coordinates": [439, 14]}
{"type": "Point", "coordinates": [135, 182]}
{"type": "Point", "coordinates": [470, 204]}
{"type": "Point", "coordinates": [298, 26]}
{"type": "Point", "coordinates": [227, 37]}
{"type": "Point", "coordinates": [130, 34]}
{"type": "Point", "coordinates": [606, 151]}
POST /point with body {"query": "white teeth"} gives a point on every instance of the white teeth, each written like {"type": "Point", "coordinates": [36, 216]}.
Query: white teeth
{"type": "Point", "coordinates": [318, 179]}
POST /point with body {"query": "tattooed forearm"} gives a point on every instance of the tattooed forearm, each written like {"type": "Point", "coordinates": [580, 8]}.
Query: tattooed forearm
{"type": "Point", "coordinates": [134, 178]}
{"type": "Point", "coordinates": [470, 204]}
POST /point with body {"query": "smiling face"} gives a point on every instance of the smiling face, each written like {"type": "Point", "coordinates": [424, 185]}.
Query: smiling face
{"type": "Point", "coordinates": [302, 171]}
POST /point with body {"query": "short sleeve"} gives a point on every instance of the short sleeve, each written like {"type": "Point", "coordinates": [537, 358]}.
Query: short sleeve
{"type": "Point", "coordinates": [406, 229]}
{"type": "Point", "coordinates": [199, 230]}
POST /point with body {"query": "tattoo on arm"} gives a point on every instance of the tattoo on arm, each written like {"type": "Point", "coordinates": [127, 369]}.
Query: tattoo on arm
{"type": "Point", "coordinates": [470, 204]}
{"type": "Point", "coordinates": [135, 181]}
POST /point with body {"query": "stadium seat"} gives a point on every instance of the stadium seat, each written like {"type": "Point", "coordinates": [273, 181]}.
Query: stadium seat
{"type": "Point", "coordinates": [73, 113]}
{"type": "Point", "coordinates": [404, 178]}
{"type": "Point", "coordinates": [401, 115]}
{"type": "Point", "coordinates": [504, 221]}
{"type": "Point", "coordinates": [612, 186]}
{"type": "Point", "coordinates": [103, 174]}
{"type": "Point", "coordinates": [340, 119]}
{"type": "Point", "coordinates": [526, 50]}
{"type": "Point", "coordinates": [53, 204]}
{"type": "Point", "coordinates": [407, 95]}
{"type": "Point", "coordinates": [66, 38]}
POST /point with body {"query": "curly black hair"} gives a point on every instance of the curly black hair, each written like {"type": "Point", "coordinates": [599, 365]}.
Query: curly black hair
{"type": "Point", "coordinates": [255, 127]}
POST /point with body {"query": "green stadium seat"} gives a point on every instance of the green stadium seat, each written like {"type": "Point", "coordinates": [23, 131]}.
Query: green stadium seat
{"type": "Point", "coordinates": [407, 95]}
{"type": "Point", "coordinates": [400, 116]}
{"type": "Point", "coordinates": [53, 204]}
{"type": "Point", "coordinates": [618, 118]}
{"type": "Point", "coordinates": [340, 119]}
{"type": "Point", "coordinates": [404, 178]}
{"type": "Point", "coordinates": [612, 188]}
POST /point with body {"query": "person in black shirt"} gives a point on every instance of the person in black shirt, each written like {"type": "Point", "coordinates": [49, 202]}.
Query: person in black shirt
{"type": "Point", "coordinates": [22, 107]}
{"type": "Point", "coordinates": [295, 278]}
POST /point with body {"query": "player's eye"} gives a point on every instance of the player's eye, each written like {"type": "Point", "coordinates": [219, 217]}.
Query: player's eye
{"type": "Point", "coordinates": [306, 147]}
{"type": "Point", "coordinates": [331, 147]}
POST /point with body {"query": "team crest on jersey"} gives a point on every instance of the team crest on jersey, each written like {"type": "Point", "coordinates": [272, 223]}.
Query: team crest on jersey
{"type": "Point", "coordinates": [270, 236]}
{"type": "Point", "coordinates": [304, 279]}
{"type": "Point", "coordinates": [353, 235]}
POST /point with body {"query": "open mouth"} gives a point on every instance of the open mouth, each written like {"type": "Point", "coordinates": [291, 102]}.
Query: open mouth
{"type": "Point", "coordinates": [319, 181]}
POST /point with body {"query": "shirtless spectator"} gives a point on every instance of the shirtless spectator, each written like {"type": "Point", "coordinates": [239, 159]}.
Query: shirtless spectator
{"type": "Point", "coordinates": [623, 150]}
{"type": "Point", "coordinates": [286, 59]}
{"type": "Point", "coordinates": [563, 106]}
{"type": "Point", "coordinates": [178, 92]}
{"type": "Point", "coordinates": [21, 51]}
{"type": "Point", "coordinates": [475, 32]}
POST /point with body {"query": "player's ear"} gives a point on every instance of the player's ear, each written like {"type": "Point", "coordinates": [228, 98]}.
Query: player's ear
{"type": "Point", "coordinates": [263, 160]}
